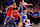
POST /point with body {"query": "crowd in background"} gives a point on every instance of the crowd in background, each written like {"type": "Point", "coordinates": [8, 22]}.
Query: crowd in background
{"type": "Point", "coordinates": [33, 17]}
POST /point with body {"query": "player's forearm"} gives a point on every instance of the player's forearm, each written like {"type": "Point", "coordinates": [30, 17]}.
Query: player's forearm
{"type": "Point", "coordinates": [8, 7]}
{"type": "Point", "coordinates": [11, 15]}
{"type": "Point", "coordinates": [31, 11]}
{"type": "Point", "coordinates": [20, 16]}
{"type": "Point", "coordinates": [30, 4]}
{"type": "Point", "coordinates": [24, 6]}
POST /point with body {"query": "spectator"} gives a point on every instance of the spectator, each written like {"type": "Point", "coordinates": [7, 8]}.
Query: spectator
{"type": "Point", "coordinates": [39, 13]}
{"type": "Point", "coordinates": [35, 16]}
{"type": "Point", "coordinates": [2, 7]}
{"type": "Point", "coordinates": [39, 10]}
{"type": "Point", "coordinates": [38, 5]}
{"type": "Point", "coordinates": [1, 19]}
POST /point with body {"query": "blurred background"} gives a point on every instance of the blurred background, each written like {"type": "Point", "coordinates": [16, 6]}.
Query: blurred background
{"type": "Point", "coordinates": [35, 8]}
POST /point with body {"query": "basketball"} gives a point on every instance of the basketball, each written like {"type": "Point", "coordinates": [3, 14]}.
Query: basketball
{"type": "Point", "coordinates": [20, 24]}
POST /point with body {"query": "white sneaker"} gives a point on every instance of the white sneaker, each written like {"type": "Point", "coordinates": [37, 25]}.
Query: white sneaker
{"type": "Point", "coordinates": [32, 23]}
{"type": "Point", "coordinates": [4, 23]}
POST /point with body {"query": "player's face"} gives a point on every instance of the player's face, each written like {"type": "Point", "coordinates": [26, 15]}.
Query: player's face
{"type": "Point", "coordinates": [20, 2]}
{"type": "Point", "coordinates": [14, 10]}
{"type": "Point", "coordinates": [36, 11]}
{"type": "Point", "coordinates": [14, 4]}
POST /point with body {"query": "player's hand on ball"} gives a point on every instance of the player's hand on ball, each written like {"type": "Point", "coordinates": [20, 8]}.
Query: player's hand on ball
{"type": "Point", "coordinates": [20, 24]}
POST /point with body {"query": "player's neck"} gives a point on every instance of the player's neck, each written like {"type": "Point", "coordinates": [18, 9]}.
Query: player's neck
{"type": "Point", "coordinates": [14, 11]}
{"type": "Point", "coordinates": [14, 5]}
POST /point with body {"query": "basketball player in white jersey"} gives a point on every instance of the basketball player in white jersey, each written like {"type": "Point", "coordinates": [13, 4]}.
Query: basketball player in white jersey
{"type": "Point", "coordinates": [23, 5]}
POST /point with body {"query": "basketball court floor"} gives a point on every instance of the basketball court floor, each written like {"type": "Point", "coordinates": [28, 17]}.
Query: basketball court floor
{"type": "Point", "coordinates": [36, 25]}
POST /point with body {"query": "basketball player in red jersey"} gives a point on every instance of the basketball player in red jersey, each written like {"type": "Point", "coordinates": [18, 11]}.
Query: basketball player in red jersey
{"type": "Point", "coordinates": [9, 11]}
{"type": "Point", "coordinates": [14, 15]}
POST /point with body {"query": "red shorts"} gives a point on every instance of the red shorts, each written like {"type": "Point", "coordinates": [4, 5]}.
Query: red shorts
{"type": "Point", "coordinates": [9, 12]}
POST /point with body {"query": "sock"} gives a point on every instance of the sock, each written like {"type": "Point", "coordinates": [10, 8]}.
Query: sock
{"type": "Point", "coordinates": [4, 23]}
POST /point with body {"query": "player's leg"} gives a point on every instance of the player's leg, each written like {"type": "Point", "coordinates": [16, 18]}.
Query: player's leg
{"type": "Point", "coordinates": [19, 21]}
{"type": "Point", "coordinates": [20, 24]}
{"type": "Point", "coordinates": [23, 21]}
{"type": "Point", "coordinates": [16, 22]}
{"type": "Point", "coordinates": [8, 15]}
{"type": "Point", "coordinates": [27, 23]}
{"type": "Point", "coordinates": [6, 20]}
{"type": "Point", "coordinates": [9, 20]}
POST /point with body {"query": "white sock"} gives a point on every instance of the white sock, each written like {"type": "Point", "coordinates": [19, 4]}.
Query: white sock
{"type": "Point", "coordinates": [25, 25]}
{"type": "Point", "coordinates": [4, 23]}
{"type": "Point", "coordinates": [28, 21]}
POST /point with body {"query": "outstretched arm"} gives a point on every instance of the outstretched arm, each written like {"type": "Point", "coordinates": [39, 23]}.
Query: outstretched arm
{"type": "Point", "coordinates": [29, 10]}
{"type": "Point", "coordinates": [25, 6]}
{"type": "Point", "coordinates": [8, 7]}
{"type": "Point", "coordinates": [10, 18]}
{"type": "Point", "coordinates": [19, 16]}
{"type": "Point", "coordinates": [28, 4]}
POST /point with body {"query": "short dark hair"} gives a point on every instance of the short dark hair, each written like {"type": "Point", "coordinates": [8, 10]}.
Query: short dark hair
{"type": "Point", "coordinates": [20, 0]}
